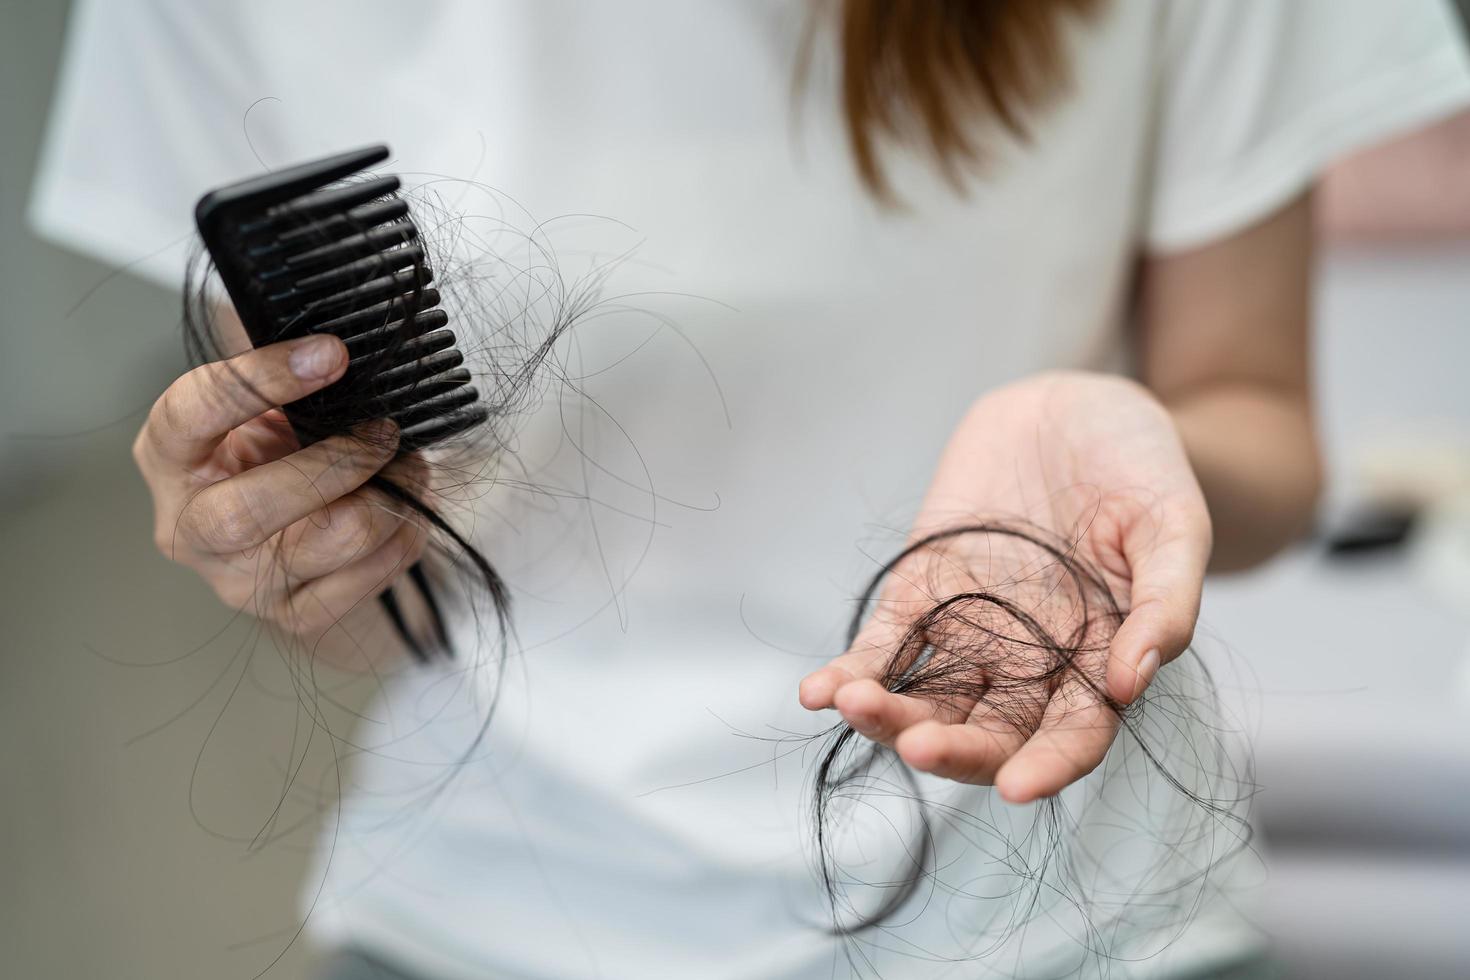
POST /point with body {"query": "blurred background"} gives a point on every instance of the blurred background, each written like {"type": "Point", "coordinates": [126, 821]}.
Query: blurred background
{"type": "Point", "coordinates": [123, 856]}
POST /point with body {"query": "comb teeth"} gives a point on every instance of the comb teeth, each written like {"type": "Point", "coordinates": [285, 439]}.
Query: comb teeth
{"type": "Point", "coordinates": [322, 204]}
{"type": "Point", "coordinates": [317, 249]}
{"type": "Point", "coordinates": [394, 402]}
{"type": "Point", "coordinates": [406, 354]}
{"type": "Point", "coordinates": [380, 339]}
{"type": "Point", "coordinates": [415, 372]}
{"type": "Point", "coordinates": [437, 407]}
{"type": "Point", "coordinates": [439, 429]}
{"type": "Point", "coordinates": [351, 275]}
{"type": "Point", "coordinates": [376, 315]}
{"type": "Point", "coordinates": [353, 246]}
{"type": "Point", "coordinates": [340, 225]}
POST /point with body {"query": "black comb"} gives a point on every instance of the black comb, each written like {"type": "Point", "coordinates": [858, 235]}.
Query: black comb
{"type": "Point", "coordinates": [307, 250]}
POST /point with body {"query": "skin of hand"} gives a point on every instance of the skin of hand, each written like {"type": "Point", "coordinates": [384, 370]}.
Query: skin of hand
{"type": "Point", "coordinates": [1092, 458]}
{"type": "Point", "coordinates": [286, 533]}
{"type": "Point", "coordinates": [1212, 463]}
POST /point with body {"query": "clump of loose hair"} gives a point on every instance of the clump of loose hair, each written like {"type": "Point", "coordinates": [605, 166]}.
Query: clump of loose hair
{"type": "Point", "coordinates": [510, 308]}
{"type": "Point", "coordinates": [1005, 614]}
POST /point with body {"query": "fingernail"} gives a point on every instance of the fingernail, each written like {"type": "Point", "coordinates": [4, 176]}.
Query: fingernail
{"type": "Point", "coordinates": [315, 358]}
{"type": "Point", "coordinates": [1145, 670]}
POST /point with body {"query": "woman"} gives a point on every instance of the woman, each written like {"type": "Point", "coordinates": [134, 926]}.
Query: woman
{"type": "Point", "coordinates": [939, 246]}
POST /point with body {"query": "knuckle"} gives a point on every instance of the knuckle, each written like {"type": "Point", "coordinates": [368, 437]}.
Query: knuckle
{"type": "Point", "coordinates": [229, 521]}
{"type": "Point", "coordinates": [237, 588]}
{"type": "Point", "coordinates": [139, 449]}
{"type": "Point", "coordinates": [163, 540]}
{"type": "Point", "coordinates": [280, 610]}
{"type": "Point", "coordinates": [235, 591]}
{"type": "Point", "coordinates": [281, 613]}
{"type": "Point", "coordinates": [312, 623]}
{"type": "Point", "coordinates": [339, 464]}
{"type": "Point", "coordinates": [171, 416]}
{"type": "Point", "coordinates": [345, 533]}
{"type": "Point", "coordinates": [302, 615]}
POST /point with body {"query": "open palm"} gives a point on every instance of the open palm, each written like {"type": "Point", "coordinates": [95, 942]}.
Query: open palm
{"type": "Point", "coordinates": [1093, 461]}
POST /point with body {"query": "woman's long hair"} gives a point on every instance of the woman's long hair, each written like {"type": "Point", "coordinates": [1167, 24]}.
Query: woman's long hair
{"type": "Point", "coordinates": [937, 73]}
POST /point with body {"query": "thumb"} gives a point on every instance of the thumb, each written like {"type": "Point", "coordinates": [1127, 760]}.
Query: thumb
{"type": "Point", "coordinates": [1168, 572]}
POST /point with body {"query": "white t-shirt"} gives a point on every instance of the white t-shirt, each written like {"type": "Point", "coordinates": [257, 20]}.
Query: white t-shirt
{"type": "Point", "coordinates": [711, 479]}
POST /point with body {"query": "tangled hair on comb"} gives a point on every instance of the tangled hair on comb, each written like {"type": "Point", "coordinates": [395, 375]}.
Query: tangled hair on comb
{"type": "Point", "coordinates": [1000, 616]}
{"type": "Point", "coordinates": [514, 290]}
{"type": "Point", "coordinates": [510, 307]}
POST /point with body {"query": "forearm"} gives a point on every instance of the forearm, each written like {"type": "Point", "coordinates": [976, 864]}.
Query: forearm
{"type": "Point", "coordinates": [1254, 450]}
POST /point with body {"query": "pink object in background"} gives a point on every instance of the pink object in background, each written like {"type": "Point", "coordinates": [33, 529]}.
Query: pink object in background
{"type": "Point", "coordinates": [1414, 188]}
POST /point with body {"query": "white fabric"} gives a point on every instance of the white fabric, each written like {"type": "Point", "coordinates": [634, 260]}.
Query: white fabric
{"type": "Point", "coordinates": [703, 538]}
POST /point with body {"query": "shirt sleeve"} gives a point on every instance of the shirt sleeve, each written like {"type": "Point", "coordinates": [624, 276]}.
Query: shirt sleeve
{"type": "Point", "coordinates": [1255, 97]}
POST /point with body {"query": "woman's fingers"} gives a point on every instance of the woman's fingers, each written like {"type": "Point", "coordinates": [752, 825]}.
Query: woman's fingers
{"type": "Point", "coordinates": [1168, 573]}
{"type": "Point", "coordinates": [864, 661]}
{"type": "Point", "coordinates": [1026, 755]}
{"type": "Point", "coordinates": [244, 511]}
{"type": "Point", "coordinates": [338, 535]}
{"type": "Point", "coordinates": [973, 750]}
{"type": "Point", "coordinates": [350, 527]}
{"type": "Point", "coordinates": [202, 407]}
{"type": "Point", "coordinates": [264, 439]}
{"type": "Point", "coordinates": [880, 715]}
{"type": "Point", "coordinates": [1072, 739]}
{"type": "Point", "coordinates": [970, 752]}
{"type": "Point", "coordinates": [869, 654]}
{"type": "Point", "coordinates": [318, 605]}
{"type": "Point", "coordinates": [818, 688]}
